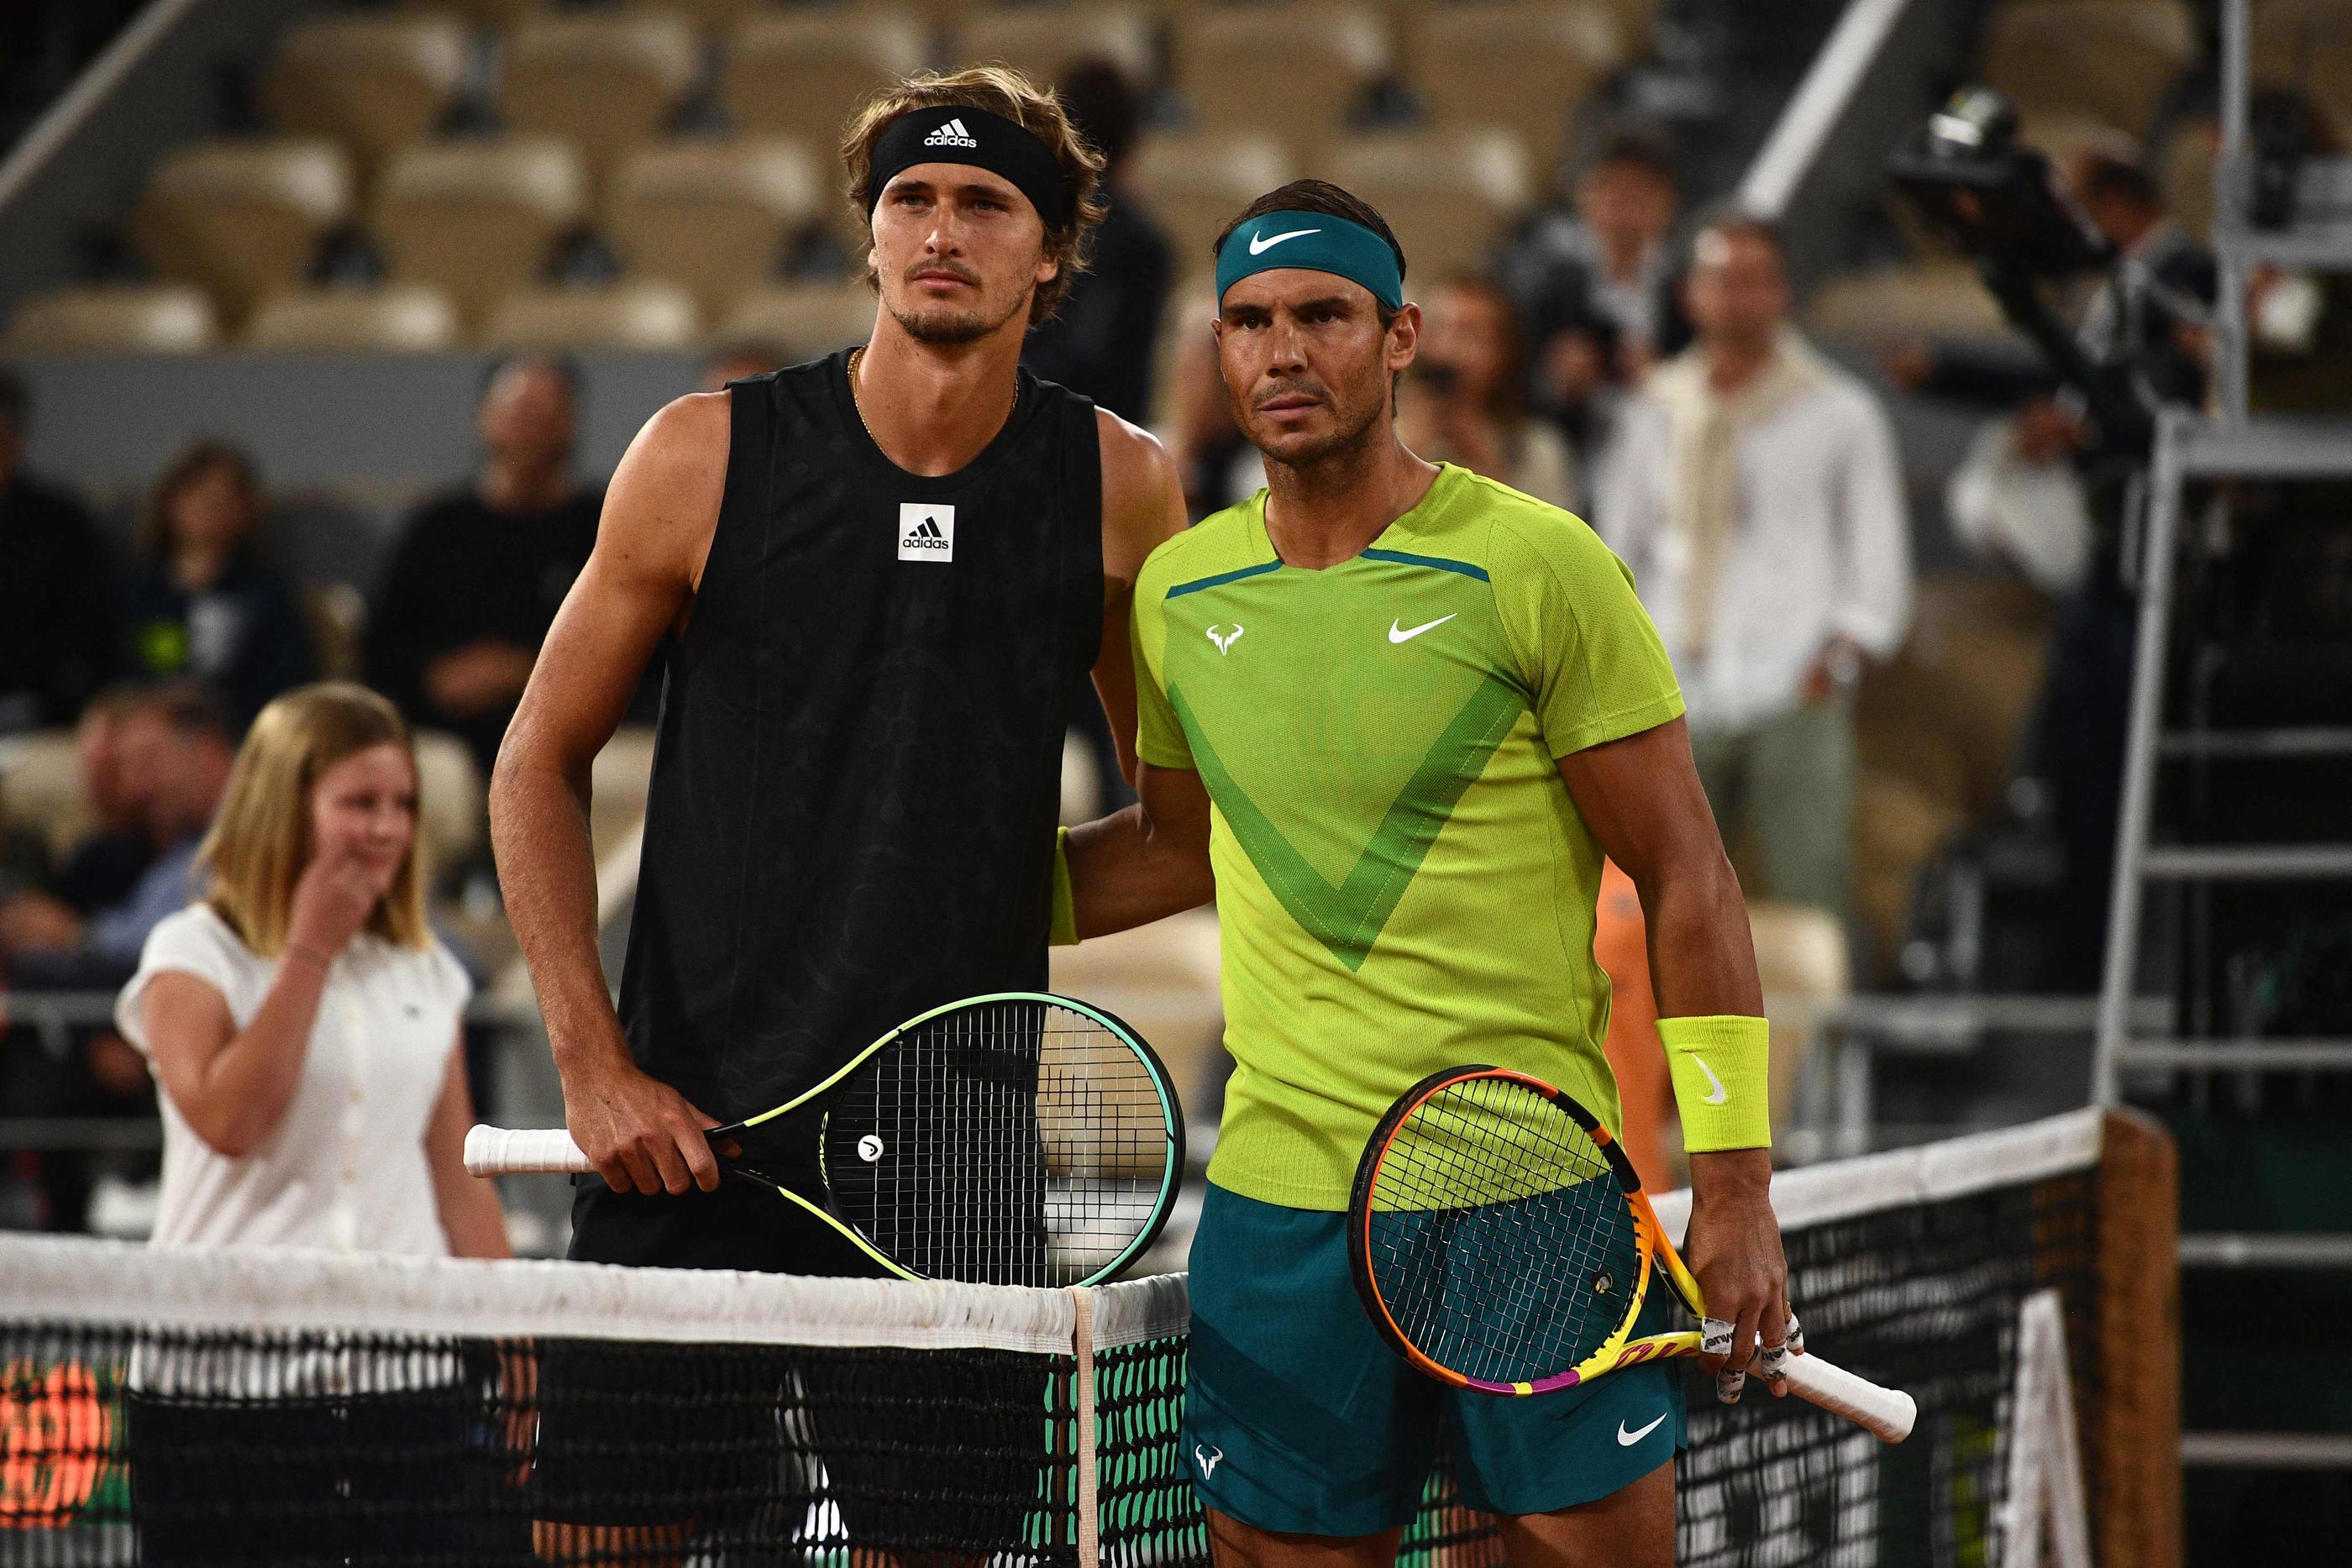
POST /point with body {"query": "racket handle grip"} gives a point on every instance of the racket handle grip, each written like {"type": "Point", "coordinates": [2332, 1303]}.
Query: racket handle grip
{"type": "Point", "coordinates": [1887, 1413]}
{"type": "Point", "coordinates": [504, 1150]}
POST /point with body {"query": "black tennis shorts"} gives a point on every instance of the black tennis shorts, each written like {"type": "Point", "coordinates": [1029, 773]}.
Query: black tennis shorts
{"type": "Point", "coordinates": [922, 1453]}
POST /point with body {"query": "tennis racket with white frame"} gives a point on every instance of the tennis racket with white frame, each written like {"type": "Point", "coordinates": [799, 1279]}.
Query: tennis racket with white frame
{"type": "Point", "coordinates": [1014, 1139]}
{"type": "Point", "coordinates": [1502, 1242]}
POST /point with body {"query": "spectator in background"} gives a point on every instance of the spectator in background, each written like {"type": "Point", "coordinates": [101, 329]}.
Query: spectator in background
{"type": "Point", "coordinates": [1464, 401]}
{"type": "Point", "coordinates": [58, 593]}
{"type": "Point", "coordinates": [105, 864]}
{"type": "Point", "coordinates": [734, 361]}
{"type": "Point", "coordinates": [1756, 492]}
{"type": "Point", "coordinates": [173, 752]}
{"type": "Point", "coordinates": [1102, 341]}
{"type": "Point", "coordinates": [1216, 466]}
{"type": "Point", "coordinates": [304, 1026]}
{"type": "Point", "coordinates": [203, 599]}
{"type": "Point", "coordinates": [1593, 283]}
{"type": "Point", "coordinates": [476, 576]}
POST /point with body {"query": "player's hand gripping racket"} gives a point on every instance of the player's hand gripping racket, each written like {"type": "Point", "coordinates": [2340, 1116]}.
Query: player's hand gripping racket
{"type": "Point", "coordinates": [1502, 1242]}
{"type": "Point", "coordinates": [1018, 1139]}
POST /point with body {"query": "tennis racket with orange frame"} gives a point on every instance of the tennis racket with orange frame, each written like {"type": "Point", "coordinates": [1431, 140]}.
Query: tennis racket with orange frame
{"type": "Point", "coordinates": [1502, 1242]}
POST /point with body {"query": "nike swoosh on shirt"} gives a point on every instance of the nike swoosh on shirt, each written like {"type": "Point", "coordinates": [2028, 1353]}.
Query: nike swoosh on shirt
{"type": "Point", "coordinates": [1261, 244]}
{"type": "Point", "coordinates": [1397, 636]}
{"type": "Point", "coordinates": [1717, 1097]}
{"type": "Point", "coordinates": [1627, 1439]}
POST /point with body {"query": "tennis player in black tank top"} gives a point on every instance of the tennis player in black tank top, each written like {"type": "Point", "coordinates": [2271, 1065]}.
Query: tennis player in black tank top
{"type": "Point", "coordinates": [882, 579]}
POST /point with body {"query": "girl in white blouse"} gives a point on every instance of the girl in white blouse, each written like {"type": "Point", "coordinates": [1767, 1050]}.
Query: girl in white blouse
{"type": "Point", "coordinates": [304, 1025]}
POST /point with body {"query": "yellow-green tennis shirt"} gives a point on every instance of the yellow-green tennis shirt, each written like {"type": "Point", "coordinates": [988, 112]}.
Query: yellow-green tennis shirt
{"type": "Point", "coordinates": [1403, 883]}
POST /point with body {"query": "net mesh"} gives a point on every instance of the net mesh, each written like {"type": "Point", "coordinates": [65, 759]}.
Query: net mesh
{"type": "Point", "coordinates": [285, 1409]}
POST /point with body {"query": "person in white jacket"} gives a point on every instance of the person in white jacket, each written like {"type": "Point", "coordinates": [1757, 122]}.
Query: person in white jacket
{"type": "Point", "coordinates": [1756, 492]}
{"type": "Point", "coordinates": [304, 1026]}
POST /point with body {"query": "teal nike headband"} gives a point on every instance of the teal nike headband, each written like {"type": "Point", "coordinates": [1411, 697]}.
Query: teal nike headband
{"type": "Point", "coordinates": [1316, 242]}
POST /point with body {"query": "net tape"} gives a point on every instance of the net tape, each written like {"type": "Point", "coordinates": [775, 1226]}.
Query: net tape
{"type": "Point", "coordinates": [939, 1419]}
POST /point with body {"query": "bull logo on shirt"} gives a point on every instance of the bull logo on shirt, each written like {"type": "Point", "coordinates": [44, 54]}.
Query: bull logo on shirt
{"type": "Point", "coordinates": [1224, 637]}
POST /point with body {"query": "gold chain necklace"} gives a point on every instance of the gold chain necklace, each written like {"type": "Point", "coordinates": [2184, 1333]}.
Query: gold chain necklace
{"type": "Point", "coordinates": [859, 353]}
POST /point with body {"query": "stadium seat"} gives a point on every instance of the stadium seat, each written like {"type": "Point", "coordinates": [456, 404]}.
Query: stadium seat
{"type": "Point", "coordinates": [1039, 41]}
{"type": "Point", "coordinates": [161, 319]}
{"type": "Point", "coordinates": [2112, 58]}
{"type": "Point", "coordinates": [801, 74]}
{"type": "Point", "coordinates": [712, 16]}
{"type": "Point", "coordinates": [242, 217]}
{"type": "Point", "coordinates": [1445, 193]}
{"type": "Point", "coordinates": [1526, 65]}
{"type": "Point", "coordinates": [2184, 173]}
{"type": "Point", "coordinates": [401, 318]}
{"type": "Point", "coordinates": [41, 789]}
{"type": "Point", "coordinates": [1887, 305]}
{"type": "Point", "coordinates": [712, 216]}
{"type": "Point", "coordinates": [449, 797]}
{"type": "Point", "coordinates": [632, 314]}
{"type": "Point", "coordinates": [1194, 182]}
{"type": "Point", "coordinates": [476, 218]}
{"type": "Point", "coordinates": [480, 13]}
{"type": "Point", "coordinates": [803, 320]}
{"type": "Point", "coordinates": [1292, 71]}
{"type": "Point", "coordinates": [373, 82]}
{"type": "Point", "coordinates": [604, 80]}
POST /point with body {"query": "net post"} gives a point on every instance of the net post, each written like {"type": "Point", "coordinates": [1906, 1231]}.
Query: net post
{"type": "Point", "coordinates": [1087, 1496]}
{"type": "Point", "coordinates": [2138, 1388]}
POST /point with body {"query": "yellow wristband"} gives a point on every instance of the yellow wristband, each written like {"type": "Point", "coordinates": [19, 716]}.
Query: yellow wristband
{"type": "Point", "coordinates": [1721, 1066]}
{"type": "Point", "coordinates": [1064, 931]}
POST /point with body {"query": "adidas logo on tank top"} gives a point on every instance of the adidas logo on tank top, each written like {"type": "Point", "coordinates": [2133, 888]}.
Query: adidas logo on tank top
{"type": "Point", "coordinates": [926, 533]}
{"type": "Point", "coordinates": [951, 134]}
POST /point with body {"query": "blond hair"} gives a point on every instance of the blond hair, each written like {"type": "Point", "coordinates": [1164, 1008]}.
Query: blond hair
{"type": "Point", "coordinates": [1001, 90]}
{"type": "Point", "coordinates": [260, 840]}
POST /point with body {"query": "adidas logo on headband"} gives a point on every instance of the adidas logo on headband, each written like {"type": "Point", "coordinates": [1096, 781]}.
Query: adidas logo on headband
{"type": "Point", "coordinates": [951, 134]}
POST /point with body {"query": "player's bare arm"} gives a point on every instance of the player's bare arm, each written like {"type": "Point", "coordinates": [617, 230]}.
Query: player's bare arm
{"type": "Point", "coordinates": [1143, 503]}
{"type": "Point", "coordinates": [659, 518]}
{"type": "Point", "coordinates": [1146, 862]}
{"type": "Point", "coordinates": [1642, 798]}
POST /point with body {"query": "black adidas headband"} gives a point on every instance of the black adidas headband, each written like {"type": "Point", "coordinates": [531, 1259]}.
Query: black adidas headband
{"type": "Point", "coordinates": [955, 135]}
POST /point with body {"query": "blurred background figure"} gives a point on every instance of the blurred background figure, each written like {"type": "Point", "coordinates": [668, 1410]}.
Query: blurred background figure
{"type": "Point", "coordinates": [205, 600]}
{"type": "Point", "coordinates": [734, 361]}
{"type": "Point", "coordinates": [1756, 492]}
{"type": "Point", "coordinates": [58, 594]}
{"type": "Point", "coordinates": [477, 575]}
{"type": "Point", "coordinates": [1464, 398]}
{"type": "Point", "coordinates": [1218, 467]}
{"type": "Point", "coordinates": [1592, 281]}
{"type": "Point", "coordinates": [1100, 342]}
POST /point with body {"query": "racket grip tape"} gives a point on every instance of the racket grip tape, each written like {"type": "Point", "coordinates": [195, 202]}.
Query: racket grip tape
{"type": "Point", "coordinates": [505, 1151]}
{"type": "Point", "coordinates": [1888, 1413]}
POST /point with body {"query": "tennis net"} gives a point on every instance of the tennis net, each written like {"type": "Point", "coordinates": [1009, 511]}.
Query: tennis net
{"type": "Point", "coordinates": [263, 1407]}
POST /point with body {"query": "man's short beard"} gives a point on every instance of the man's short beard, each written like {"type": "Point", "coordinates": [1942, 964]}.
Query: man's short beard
{"type": "Point", "coordinates": [962, 327]}
{"type": "Point", "coordinates": [1340, 446]}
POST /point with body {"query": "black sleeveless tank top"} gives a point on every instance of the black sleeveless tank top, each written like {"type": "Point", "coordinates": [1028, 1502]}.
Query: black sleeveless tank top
{"type": "Point", "coordinates": [858, 764]}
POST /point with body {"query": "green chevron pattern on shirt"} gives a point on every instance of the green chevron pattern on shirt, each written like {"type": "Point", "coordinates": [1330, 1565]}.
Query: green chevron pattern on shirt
{"type": "Point", "coordinates": [1402, 881]}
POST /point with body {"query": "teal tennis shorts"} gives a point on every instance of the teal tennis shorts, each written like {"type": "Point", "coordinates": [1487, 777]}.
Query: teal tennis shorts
{"type": "Point", "coordinates": [1299, 1419]}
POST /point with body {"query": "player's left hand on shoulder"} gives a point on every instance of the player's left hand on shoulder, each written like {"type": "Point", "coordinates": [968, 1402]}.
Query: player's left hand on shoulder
{"type": "Point", "coordinates": [1734, 1251]}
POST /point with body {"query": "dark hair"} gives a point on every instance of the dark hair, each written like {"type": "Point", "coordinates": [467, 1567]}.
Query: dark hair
{"type": "Point", "coordinates": [565, 367]}
{"type": "Point", "coordinates": [1319, 196]}
{"type": "Point", "coordinates": [16, 401]}
{"type": "Point", "coordinates": [193, 709]}
{"type": "Point", "coordinates": [1102, 103]}
{"type": "Point", "coordinates": [1639, 148]}
{"type": "Point", "coordinates": [2106, 177]}
{"type": "Point", "coordinates": [192, 463]}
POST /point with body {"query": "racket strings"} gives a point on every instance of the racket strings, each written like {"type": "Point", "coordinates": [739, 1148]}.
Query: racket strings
{"type": "Point", "coordinates": [1500, 1241]}
{"type": "Point", "coordinates": [1019, 1143]}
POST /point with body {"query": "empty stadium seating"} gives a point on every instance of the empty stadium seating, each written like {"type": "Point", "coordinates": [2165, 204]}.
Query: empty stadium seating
{"type": "Point", "coordinates": [2307, 45]}
{"type": "Point", "coordinates": [1926, 299]}
{"type": "Point", "coordinates": [602, 81]}
{"type": "Point", "coordinates": [631, 314]}
{"type": "Point", "coordinates": [160, 318]}
{"type": "Point", "coordinates": [802, 320]}
{"type": "Point", "coordinates": [1039, 41]}
{"type": "Point", "coordinates": [406, 318]}
{"type": "Point", "coordinates": [475, 219]}
{"type": "Point", "coordinates": [1295, 71]}
{"type": "Point", "coordinates": [1194, 182]}
{"type": "Point", "coordinates": [242, 217]}
{"type": "Point", "coordinates": [1526, 65]}
{"type": "Point", "coordinates": [2111, 58]}
{"type": "Point", "coordinates": [375, 83]}
{"type": "Point", "coordinates": [712, 216]}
